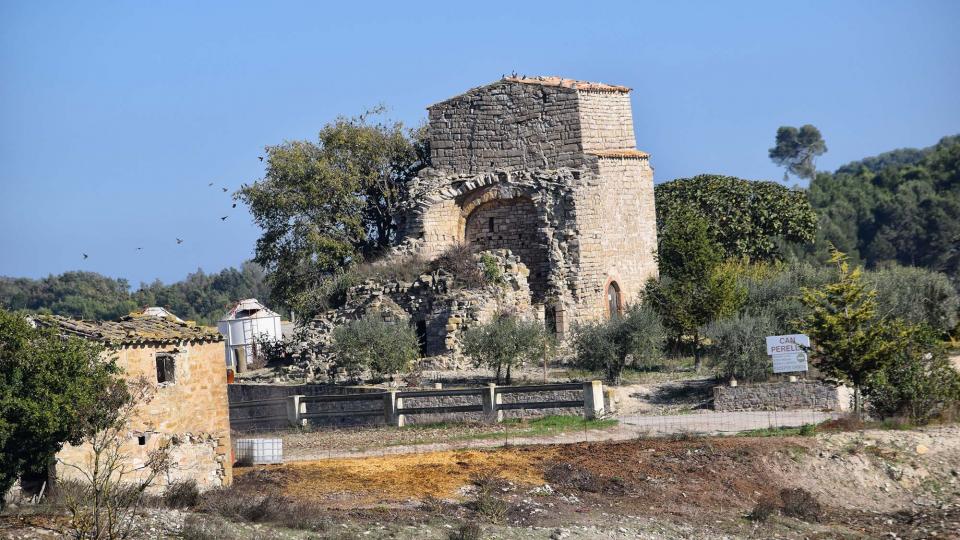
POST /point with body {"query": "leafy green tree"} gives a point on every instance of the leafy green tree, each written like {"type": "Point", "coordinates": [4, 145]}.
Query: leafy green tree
{"type": "Point", "coordinates": [383, 348]}
{"type": "Point", "coordinates": [325, 205]}
{"type": "Point", "coordinates": [610, 345]}
{"type": "Point", "coordinates": [200, 297]}
{"type": "Point", "coordinates": [901, 206]}
{"type": "Point", "coordinates": [748, 219]}
{"type": "Point", "coordinates": [797, 150]}
{"type": "Point", "coordinates": [847, 338]}
{"type": "Point", "coordinates": [917, 381]}
{"type": "Point", "coordinates": [53, 390]}
{"type": "Point", "coordinates": [695, 287]}
{"type": "Point", "coordinates": [504, 343]}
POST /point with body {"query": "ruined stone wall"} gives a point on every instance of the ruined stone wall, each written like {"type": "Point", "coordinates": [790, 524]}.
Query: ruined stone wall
{"type": "Point", "coordinates": [506, 126]}
{"type": "Point", "coordinates": [512, 224]}
{"type": "Point", "coordinates": [617, 224]}
{"type": "Point", "coordinates": [191, 413]}
{"type": "Point", "coordinates": [606, 121]}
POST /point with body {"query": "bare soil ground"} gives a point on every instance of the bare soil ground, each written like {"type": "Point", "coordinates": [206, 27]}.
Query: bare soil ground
{"type": "Point", "coordinates": [863, 484]}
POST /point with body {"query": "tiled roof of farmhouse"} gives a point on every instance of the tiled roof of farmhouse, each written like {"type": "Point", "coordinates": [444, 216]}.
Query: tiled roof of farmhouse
{"type": "Point", "coordinates": [569, 83]}
{"type": "Point", "coordinates": [623, 153]}
{"type": "Point", "coordinates": [132, 329]}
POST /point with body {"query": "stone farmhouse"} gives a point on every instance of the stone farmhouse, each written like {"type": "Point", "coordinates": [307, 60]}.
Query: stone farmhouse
{"type": "Point", "coordinates": [188, 409]}
{"type": "Point", "coordinates": [547, 168]}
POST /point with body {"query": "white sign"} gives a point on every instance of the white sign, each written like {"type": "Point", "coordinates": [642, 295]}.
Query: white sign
{"type": "Point", "coordinates": [788, 352]}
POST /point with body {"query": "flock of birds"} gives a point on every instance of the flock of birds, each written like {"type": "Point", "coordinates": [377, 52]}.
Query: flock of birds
{"type": "Point", "coordinates": [180, 240]}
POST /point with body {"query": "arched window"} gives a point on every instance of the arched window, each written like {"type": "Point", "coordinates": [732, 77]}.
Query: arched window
{"type": "Point", "coordinates": [614, 300]}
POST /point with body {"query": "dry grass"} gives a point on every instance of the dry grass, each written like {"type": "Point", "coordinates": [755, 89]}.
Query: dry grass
{"type": "Point", "coordinates": [400, 478]}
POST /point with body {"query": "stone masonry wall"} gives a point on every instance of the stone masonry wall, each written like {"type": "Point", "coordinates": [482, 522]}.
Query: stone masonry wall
{"type": "Point", "coordinates": [606, 121]}
{"type": "Point", "coordinates": [512, 224]}
{"type": "Point", "coordinates": [191, 414]}
{"type": "Point", "coordinates": [617, 241]}
{"type": "Point", "coordinates": [506, 126]}
{"type": "Point", "coordinates": [781, 396]}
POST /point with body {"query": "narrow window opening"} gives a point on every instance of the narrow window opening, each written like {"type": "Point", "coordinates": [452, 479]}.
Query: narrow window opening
{"type": "Point", "coordinates": [165, 369]}
{"type": "Point", "coordinates": [142, 440]}
{"type": "Point", "coordinates": [490, 225]}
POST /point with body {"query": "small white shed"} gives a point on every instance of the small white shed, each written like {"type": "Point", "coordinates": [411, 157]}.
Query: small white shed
{"type": "Point", "coordinates": [246, 323]}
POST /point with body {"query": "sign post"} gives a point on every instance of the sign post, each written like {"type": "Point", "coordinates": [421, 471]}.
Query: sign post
{"type": "Point", "coordinates": [788, 352]}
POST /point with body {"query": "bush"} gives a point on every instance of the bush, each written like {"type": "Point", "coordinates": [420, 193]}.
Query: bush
{"type": "Point", "coordinates": [918, 296]}
{"type": "Point", "coordinates": [738, 348]}
{"type": "Point", "coordinates": [182, 494]}
{"type": "Point", "coordinates": [917, 382]}
{"type": "Point", "coordinates": [773, 292]}
{"type": "Point", "coordinates": [461, 262]}
{"type": "Point", "coordinates": [505, 342]}
{"type": "Point", "coordinates": [610, 345]}
{"type": "Point", "coordinates": [801, 504]}
{"type": "Point", "coordinates": [244, 504]}
{"type": "Point", "coordinates": [762, 511]}
{"type": "Point", "coordinates": [490, 505]}
{"type": "Point", "coordinates": [372, 344]}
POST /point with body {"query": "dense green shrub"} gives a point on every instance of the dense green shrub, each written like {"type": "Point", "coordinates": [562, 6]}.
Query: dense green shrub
{"type": "Point", "coordinates": [609, 346]}
{"type": "Point", "coordinates": [372, 344]}
{"type": "Point", "coordinates": [916, 295]}
{"type": "Point", "coordinates": [917, 381]}
{"type": "Point", "coordinates": [738, 349]}
{"type": "Point", "coordinates": [773, 291]}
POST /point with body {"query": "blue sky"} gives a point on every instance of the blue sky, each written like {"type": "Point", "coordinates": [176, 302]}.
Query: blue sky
{"type": "Point", "coordinates": [115, 116]}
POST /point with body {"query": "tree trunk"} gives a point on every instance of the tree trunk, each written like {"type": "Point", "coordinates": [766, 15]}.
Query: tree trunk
{"type": "Point", "coordinates": [697, 360]}
{"type": "Point", "coordinates": [499, 366]}
{"type": "Point", "coordinates": [508, 373]}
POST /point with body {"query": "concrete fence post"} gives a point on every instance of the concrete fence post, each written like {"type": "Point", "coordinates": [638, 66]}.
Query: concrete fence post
{"type": "Point", "coordinates": [592, 399]}
{"type": "Point", "coordinates": [490, 398]}
{"type": "Point", "coordinates": [295, 408]}
{"type": "Point", "coordinates": [391, 409]}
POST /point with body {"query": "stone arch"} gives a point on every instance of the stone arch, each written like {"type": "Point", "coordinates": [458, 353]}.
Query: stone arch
{"type": "Point", "coordinates": [498, 220]}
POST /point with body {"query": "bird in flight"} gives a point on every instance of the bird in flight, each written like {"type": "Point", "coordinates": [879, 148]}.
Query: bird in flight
{"type": "Point", "coordinates": [85, 256]}
{"type": "Point", "coordinates": [260, 158]}
{"type": "Point", "coordinates": [139, 248]}
{"type": "Point", "coordinates": [224, 189]}
{"type": "Point", "coordinates": [210, 184]}
{"type": "Point", "coordinates": [234, 205]}
{"type": "Point", "coordinates": [224, 218]}
{"type": "Point", "coordinates": [179, 241]}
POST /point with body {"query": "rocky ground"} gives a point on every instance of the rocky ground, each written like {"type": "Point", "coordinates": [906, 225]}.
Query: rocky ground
{"type": "Point", "coordinates": [859, 484]}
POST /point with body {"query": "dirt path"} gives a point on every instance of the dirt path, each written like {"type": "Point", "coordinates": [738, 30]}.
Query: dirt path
{"type": "Point", "coordinates": [630, 427]}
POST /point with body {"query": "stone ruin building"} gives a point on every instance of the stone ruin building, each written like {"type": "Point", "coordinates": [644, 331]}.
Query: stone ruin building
{"type": "Point", "coordinates": [545, 173]}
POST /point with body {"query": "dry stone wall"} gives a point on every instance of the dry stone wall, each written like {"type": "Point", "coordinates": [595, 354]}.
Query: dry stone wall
{"type": "Point", "coordinates": [781, 396]}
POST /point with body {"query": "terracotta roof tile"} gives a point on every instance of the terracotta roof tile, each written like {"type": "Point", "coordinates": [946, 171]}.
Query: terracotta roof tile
{"type": "Point", "coordinates": [569, 83]}
{"type": "Point", "coordinates": [132, 329]}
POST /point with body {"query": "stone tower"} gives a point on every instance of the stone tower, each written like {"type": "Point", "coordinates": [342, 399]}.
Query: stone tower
{"type": "Point", "coordinates": [548, 168]}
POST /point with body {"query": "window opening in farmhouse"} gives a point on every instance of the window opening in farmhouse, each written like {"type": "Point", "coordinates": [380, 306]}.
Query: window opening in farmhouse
{"type": "Point", "coordinates": [614, 305]}
{"type": "Point", "coordinates": [165, 368]}
{"type": "Point", "coordinates": [491, 227]}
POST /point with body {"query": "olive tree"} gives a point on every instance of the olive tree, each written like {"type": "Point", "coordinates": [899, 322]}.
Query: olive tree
{"type": "Point", "coordinates": [372, 344]}
{"type": "Point", "coordinates": [504, 343]}
{"type": "Point", "coordinates": [610, 345]}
